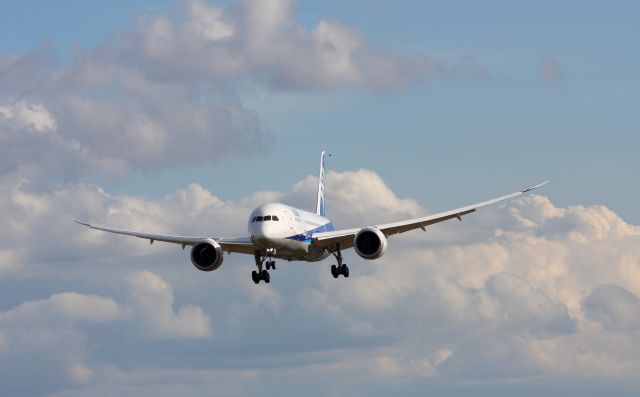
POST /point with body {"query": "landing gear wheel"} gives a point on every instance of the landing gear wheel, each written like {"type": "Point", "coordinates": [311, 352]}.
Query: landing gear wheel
{"type": "Point", "coordinates": [345, 271]}
{"type": "Point", "coordinates": [334, 271]}
{"type": "Point", "coordinates": [271, 265]}
{"type": "Point", "coordinates": [264, 275]}
{"type": "Point", "coordinates": [255, 277]}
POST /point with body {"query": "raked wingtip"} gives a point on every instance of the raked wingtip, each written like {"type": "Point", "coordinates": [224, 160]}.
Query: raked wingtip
{"type": "Point", "coordinates": [535, 187]}
{"type": "Point", "coordinates": [80, 222]}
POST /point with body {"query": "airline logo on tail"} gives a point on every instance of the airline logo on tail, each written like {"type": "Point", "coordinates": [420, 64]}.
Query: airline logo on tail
{"type": "Point", "coordinates": [320, 202]}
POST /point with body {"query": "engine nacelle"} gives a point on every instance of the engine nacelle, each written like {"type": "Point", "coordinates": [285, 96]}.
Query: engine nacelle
{"type": "Point", "coordinates": [370, 243]}
{"type": "Point", "coordinates": [207, 255]}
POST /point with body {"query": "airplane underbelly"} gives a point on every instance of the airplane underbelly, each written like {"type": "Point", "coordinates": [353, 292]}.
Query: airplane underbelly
{"type": "Point", "coordinates": [290, 249]}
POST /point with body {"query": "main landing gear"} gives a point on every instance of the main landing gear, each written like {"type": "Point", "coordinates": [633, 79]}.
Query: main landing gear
{"type": "Point", "coordinates": [262, 274]}
{"type": "Point", "coordinates": [341, 268]}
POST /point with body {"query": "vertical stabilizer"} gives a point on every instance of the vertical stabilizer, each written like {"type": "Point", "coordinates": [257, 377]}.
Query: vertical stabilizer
{"type": "Point", "coordinates": [320, 201]}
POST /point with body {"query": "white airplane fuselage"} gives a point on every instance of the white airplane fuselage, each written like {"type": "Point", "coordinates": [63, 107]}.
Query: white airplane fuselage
{"type": "Point", "coordinates": [287, 231]}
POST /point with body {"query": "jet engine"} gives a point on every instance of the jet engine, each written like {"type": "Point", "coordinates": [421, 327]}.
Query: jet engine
{"type": "Point", "coordinates": [370, 243]}
{"type": "Point", "coordinates": [207, 255]}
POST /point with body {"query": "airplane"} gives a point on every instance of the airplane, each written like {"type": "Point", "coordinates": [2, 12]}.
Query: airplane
{"type": "Point", "coordinates": [279, 231]}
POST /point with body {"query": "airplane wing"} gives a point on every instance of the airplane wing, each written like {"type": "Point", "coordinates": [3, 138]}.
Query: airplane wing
{"type": "Point", "coordinates": [242, 245]}
{"type": "Point", "coordinates": [330, 240]}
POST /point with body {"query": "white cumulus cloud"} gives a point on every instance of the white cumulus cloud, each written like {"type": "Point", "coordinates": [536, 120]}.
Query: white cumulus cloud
{"type": "Point", "coordinates": [30, 116]}
{"type": "Point", "coordinates": [152, 301]}
{"type": "Point", "coordinates": [534, 289]}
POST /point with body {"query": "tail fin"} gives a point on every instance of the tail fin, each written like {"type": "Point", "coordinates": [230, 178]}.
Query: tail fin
{"type": "Point", "coordinates": [320, 202]}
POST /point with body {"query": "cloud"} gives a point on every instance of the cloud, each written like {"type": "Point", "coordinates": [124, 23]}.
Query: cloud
{"type": "Point", "coordinates": [533, 289]}
{"type": "Point", "coordinates": [527, 310]}
{"type": "Point", "coordinates": [420, 367]}
{"type": "Point", "coordinates": [10, 260]}
{"type": "Point", "coordinates": [66, 306]}
{"type": "Point", "coordinates": [44, 335]}
{"type": "Point", "coordinates": [614, 307]}
{"type": "Point", "coordinates": [56, 335]}
{"type": "Point", "coordinates": [262, 42]}
{"type": "Point", "coordinates": [209, 22]}
{"type": "Point", "coordinates": [152, 302]}
{"type": "Point", "coordinates": [30, 116]}
{"type": "Point", "coordinates": [377, 203]}
{"type": "Point", "coordinates": [170, 91]}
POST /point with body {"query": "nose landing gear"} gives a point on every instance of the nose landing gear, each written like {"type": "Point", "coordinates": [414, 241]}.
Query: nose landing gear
{"type": "Point", "coordinates": [263, 274]}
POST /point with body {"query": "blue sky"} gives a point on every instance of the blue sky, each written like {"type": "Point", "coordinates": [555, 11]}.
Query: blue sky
{"type": "Point", "coordinates": [182, 116]}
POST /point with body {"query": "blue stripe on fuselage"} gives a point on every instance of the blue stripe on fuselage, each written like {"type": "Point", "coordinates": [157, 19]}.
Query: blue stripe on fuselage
{"type": "Point", "coordinates": [308, 234]}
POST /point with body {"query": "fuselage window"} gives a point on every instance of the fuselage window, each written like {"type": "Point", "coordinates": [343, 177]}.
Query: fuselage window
{"type": "Point", "coordinates": [254, 219]}
{"type": "Point", "coordinates": [267, 218]}
{"type": "Point", "coordinates": [258, 219]}
{"type": "Point", "coordinates": [275, 218]}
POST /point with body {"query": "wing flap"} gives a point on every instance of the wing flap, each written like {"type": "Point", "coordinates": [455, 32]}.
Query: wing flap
{"type": "Point", "coordinates": [242, 245]}
{"type": "Point", "coordinates": [331, 240]}
{"type": "Point", "coordinates": [420, 223]}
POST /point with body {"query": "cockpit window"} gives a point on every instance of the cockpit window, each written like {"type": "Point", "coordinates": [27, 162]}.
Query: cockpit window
{"type": "Point", "coordinates": [264, 218]}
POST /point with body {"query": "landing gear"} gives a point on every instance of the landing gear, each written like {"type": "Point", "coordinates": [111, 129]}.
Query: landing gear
{"type": "Point", "coordinates": [341, 268]}
{"type": "Point", "coordinates": [338, 270]}
{"type": "Point", "coordinates": [262, 274]}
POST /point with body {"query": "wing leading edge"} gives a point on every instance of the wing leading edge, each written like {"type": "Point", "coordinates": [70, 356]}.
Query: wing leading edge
{"type": "Point", "coordinates": [345, 237]}
{"type": "Point", "coordinates": [242, 245]}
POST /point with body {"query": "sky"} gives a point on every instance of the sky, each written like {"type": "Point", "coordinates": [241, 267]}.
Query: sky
{"type": "Point", "coordinates": [180, 117]}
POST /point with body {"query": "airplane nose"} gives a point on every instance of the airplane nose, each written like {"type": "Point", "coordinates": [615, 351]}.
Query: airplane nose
{"type": "Point", "coordinates": [260, 229]}
{"type": "Point", "coordinates": [261, 233]}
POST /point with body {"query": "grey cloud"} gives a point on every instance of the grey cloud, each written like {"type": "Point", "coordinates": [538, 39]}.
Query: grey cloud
{"type": "Point", "coordinates": [527, 310]}
{"type": "Point", "coordinates": [261, 42]}
{"type": "Point", "coordinates": [102, 118]}
{"type": "Point", "coordinates": [65, 306]}
{"type": "Point", "coordinates": [169, 92]}
{"type": "Point", "coordinates": [614, 307]}
{"type": "Point", "coordinates": [60, 336]}
{"type": "Point", "coordinates": [44, 336]}
{"type": "Point", "coordinates": [152, 301]}
{"type": "Point", "coordinates": [17, 71]}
